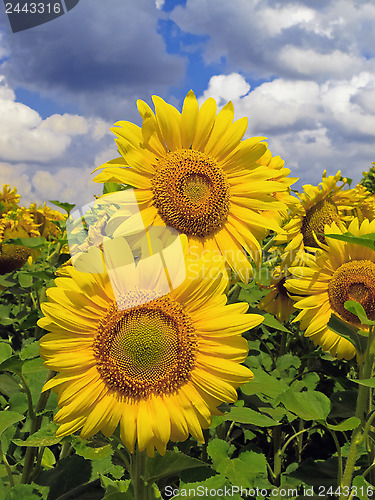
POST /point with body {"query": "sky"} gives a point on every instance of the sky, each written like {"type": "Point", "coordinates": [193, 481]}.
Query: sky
{"type": "Point", "coordinates": [303, 72]}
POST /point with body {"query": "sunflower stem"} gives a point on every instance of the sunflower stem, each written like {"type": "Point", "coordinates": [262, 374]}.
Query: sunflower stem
{"type": "Point", "coordinates": [137, 471]}
{"type": "Point", "coordinates": [36, 422]}
{"type": "Point", "coordinates": [362, 408]}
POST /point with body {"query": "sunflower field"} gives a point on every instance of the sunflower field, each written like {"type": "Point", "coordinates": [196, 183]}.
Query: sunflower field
{"type": "Point", "coordinates": [200, 330]}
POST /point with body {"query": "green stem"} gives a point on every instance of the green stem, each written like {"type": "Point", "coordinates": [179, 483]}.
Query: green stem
{"type": "Point", "coordinates": [234, 293]}
{"type": "Point", "coordinates": [293, 437]}
{"type": "Point", "coordinates": [362, 407]}
{"type": "Point", "coordinates": [137, 471]}
{"type": "Point", "coordinates": [36, 422]}
{"type": "Point", "coordinates": [268, 244]}
{"type": "Point", "coordinates": [7, 467]}
{"type": "Point", "coordinates": [66, 449]}
{"type": "Point", "coordinates": [339, 456]}
{"type": "Point", "coordinates": [30, 406]}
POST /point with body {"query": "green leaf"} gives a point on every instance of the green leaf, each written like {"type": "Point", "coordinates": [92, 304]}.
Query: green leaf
{"type": "Point", "coordinates": [247, 470]}
{"type": "Point", "coordinates": [116, 490]}
{"type": "Point", "coordinates": [343, 404]}
{"type": "Point", "coordinates": [83, 449]}
{"type": "Point", "coordinates": [69, 473]}
{"type": "Point", "coordinates": [112, 187]}
{"type": "Point", "coordinates": [368, 382]}
{"type": "Point", "coordinates": [366, 240]}
{"type": "Point", "coordinates": [287, 361]}
{"type": "Point", "coordinates": [25, 280]}
{"type": "Point", "coordinates": [46, 436]}
{"type": "Point", "coordinates": [8, 385]}
{"type": "Point", "coordinates": [272, 322]}
{"type": "Point", "coordinates": [30, 350]}
{"type": "Point", "coordinates": [309, 405]}
{"type": "Point", "coordinates": [249, 416]}
{"type": "Point", "coordinates": [347, 425]}
{"type": "Point", "coordinates": [364, 490]}
{"type": "Point", "coordinates": [169, 465]}
{"type": "Point", "coordinates": [263, 383]}
{"type": "Point", "coordinates": [8, 418]}
{"type": "Point", "coordinates": [12, 364]}
{"type": "Point", "coordinates": [48, 459]}
{"type": "Point", "coordinates": [21, 492]}
{"type": "Point", "coordinates": [349, 332]}
{"type": "Point", "coordinates": [36, 242]}
{"type": "Point", "coordinates": [68, 207]}
{"type": "Point", "coordinates": [188, 491]}
{"type": "Point", "coordinates": [5, 351]}
{"type": "Point", "coordinates": [356, 308]}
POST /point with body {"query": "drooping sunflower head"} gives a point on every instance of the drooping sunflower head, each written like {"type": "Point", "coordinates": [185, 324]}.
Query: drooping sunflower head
{"type": "Point", "coordinates": [319, 206]}
{"type": "Point", "coordinates": [342, 271]}
{"type": "Point", "coordinates": [159, 367]}
{"type": "Point", "coordinates": [194, 172]}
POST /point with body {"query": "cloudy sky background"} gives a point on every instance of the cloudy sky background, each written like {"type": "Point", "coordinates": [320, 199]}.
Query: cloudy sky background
{"type": "Point", "coordinates": [303, 72]}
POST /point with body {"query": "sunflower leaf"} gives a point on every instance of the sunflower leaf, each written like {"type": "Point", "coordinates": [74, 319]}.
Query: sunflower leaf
{"type": "Point", "coordinates": [366, 240]}
{"type": "Point", "coordinates": [249, 416]}
{"type": "Point", "coordinates": [309, 405]}
{"type": "Point", "coordinates": [36, 242]}
{"type": "Point", "coordinates": [169, 464]}
{"type": "Point", "coordinates": [349, 424]}
{"type": "Point", "coordinates": [44, 437]}
{"type": "Point", "coordinates": [349, 332]}
{"type": "Point", "coordinates": [68, 207]}
{"type": "Point", "coordinates": [8, 418]}
{"type": "Point", "coordinates": [12, 364]}
{"type": "Point", "coordinates": [356, 308]}
{"type": "Point", "coordinates": [368, 382]}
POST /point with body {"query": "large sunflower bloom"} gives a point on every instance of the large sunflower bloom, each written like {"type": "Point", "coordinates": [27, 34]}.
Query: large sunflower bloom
{"type": "Point", "coordinates": [194, 173]}
{"type": "Point", "coordinates": [158, 368]}
{"type": "Point", "coordinates": [319, 205]}
{"type": "Point", "coordinates": [343, 271]}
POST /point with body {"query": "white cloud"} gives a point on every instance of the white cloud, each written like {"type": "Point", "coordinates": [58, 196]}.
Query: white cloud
{"type": "Point", "coordinates": [309, 62]}
{"type": "Point", "coordinates": [313, 127]}
{"type": "Point", "coordinates": [226, 88]}
{"type": "Point", "coordinates": [274, 21]}
{"type": "Point", "coordinates": [269, 39]}
{"type": "Point", "coordinates": [51, 158]}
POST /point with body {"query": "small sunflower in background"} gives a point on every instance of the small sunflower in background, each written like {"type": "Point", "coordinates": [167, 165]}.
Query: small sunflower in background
{"type": "Point", "coordinates": [319, 205]}
{"type": "Point", "coordinates": [277, 302]}
{"type": "Point", "coordinates": [8, 198]}
{"type": "Point", "coordinates": [340, 272]}
{"type": "Point", "coordinates": [159, 366]}
{"type": "Point", "coordinates": [44, 217]}
{"type": "Point", "coordinates": [194, 173]}
{"type": "Point", "coordinates": [17, 223]}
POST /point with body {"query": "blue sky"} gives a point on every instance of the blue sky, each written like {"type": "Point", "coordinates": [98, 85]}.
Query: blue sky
{"type": "Point", "coordinates": [303, 72]}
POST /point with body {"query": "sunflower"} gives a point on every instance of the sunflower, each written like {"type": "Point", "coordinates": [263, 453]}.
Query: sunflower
{"type": "Point", "coordinates": [277, 302]}
{"type": "Point", "coordinates": [342, 271]}
{"type": "Point", "coordinates": [44, 217]}
{"type": "Point", "coordinates": [8, 198]}
{"type": "Point", "coordinates": [158, 365]}
{"type": "Point", "coordinates": [16, 223]}
{"type": "Point", "coordinates": [318, 206]}
{"type": "Point", "coordinates": [366, 205]}
{"type": "Point", "coordinates": [194, 173]}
